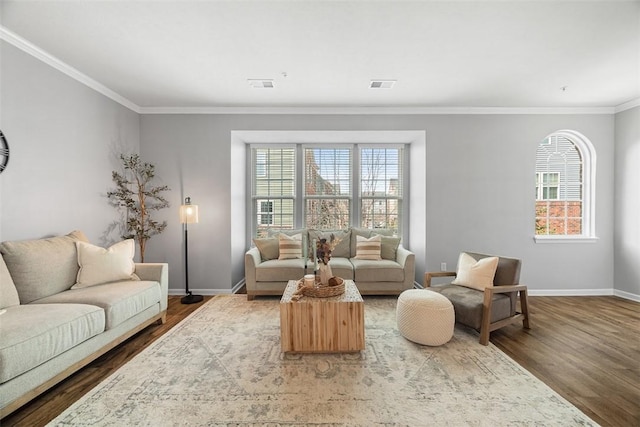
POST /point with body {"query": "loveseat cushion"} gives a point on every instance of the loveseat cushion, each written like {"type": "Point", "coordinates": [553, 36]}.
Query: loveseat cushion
{"type": "Point", "coordinates": [280, 270]}
{"type": "Point", "coordinates": [32, 334]}
{"type": "Point", "coordinates": [119, 300]}
{"type": "Point", "coordinates": [377, 271]}
{"type": "Point", "coordinates": [8, 293]}
{"type": "Point", "coordinates": [341, 267]}
{"type": "Point", "coordinates": [42, 267]}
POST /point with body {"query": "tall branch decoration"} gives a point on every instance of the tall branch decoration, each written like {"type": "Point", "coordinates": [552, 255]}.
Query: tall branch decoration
{"type": "Point", "coordinates": [135, 193]}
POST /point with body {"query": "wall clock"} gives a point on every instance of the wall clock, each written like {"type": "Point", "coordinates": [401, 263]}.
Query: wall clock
{"type": "Point", "coordinates": [4, 152]}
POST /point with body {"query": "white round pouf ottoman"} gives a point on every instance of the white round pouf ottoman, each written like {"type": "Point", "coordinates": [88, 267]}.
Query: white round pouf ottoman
{"type": "Point", "coordinates": [425, 317]}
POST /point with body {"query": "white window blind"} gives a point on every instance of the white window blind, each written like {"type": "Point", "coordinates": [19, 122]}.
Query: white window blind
{"type": "Point", "coordinates": [327, 187]}
{"type": "Point", "coordinates": [381, 192]}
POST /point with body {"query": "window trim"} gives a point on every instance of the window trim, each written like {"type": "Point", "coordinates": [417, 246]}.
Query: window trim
{"type": "Point", "coordinates": [588, 153]}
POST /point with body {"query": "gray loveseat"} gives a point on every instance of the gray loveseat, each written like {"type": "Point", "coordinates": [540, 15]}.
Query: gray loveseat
{"type": "Point", "coordinates": [48, 331]}
{"type": "Point", "coordinates": [265, 274]}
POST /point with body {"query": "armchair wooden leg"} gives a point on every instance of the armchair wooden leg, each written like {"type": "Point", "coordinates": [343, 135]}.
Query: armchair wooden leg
{"type": "Point", "coordinates": [524, 306]}
{"type": "Point", "coordinates": [486, 318]}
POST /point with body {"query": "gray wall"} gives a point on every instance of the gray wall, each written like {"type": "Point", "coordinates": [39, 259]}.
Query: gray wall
{"type": "Point", "coordinates": [479, 191]}
{"type": "Point", "coordinates": [627, 203]}
{"type": "Point", "coordinates": [478, 186]}
{"type": "Point", "coordinates": [63, 136]}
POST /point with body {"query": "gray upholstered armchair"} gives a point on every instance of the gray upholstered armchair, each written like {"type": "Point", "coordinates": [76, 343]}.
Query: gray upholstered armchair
{"type": "Point", "coordinates": [489, 309]}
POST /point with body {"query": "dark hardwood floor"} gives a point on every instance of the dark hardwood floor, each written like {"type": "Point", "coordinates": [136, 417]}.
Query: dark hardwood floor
{"type": "Point", "coordinates": [586, 348]}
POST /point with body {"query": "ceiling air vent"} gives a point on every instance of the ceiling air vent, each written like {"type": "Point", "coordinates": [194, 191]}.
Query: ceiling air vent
{"type": "Point", "coordinates": [381, 84]}
{"type": "Point", "coordinates": [261, 83]}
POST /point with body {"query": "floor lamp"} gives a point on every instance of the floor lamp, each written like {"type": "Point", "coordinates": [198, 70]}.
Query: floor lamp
{"type": "Point", "coordinates": [188, 215]}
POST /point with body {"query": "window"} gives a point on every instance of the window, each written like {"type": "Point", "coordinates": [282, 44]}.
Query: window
{"type": "Point", "coordinates": [273, 192]}
{"type": "Point", "coordinates": [380, 187]}
{"type": "Point", "coordinates": [265, 212]}
{"type": "Point", "coordinates": [339, 186]}
{"type": "Point", "coordinates": [565, 181]}
{"type": "Point", "coordinates": [327, 188]}
{"type": "Point", "coordinates": [547, 186]}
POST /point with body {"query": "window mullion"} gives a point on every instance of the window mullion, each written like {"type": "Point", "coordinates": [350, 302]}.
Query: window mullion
{"type": "Point", "coordinates": [356, 196]}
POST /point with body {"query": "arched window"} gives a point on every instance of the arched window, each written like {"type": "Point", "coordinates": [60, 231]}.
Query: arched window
{"type": "Point", "coordinates": [565, 187]}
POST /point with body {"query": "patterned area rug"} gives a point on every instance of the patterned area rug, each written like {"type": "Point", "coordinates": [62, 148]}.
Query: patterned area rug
{"type": "Point", "coordinates": [222, 366]}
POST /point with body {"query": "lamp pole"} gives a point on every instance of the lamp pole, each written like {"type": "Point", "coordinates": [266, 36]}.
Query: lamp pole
{"type": "Point", "coordinates": [187, 216]}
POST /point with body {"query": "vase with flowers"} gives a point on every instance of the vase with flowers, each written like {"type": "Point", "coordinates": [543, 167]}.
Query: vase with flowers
{"type": "Point", "coordinates": [323, 256]}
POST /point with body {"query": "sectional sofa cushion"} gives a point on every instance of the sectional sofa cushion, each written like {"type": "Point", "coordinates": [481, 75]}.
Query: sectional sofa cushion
{"type": "Point", "coordinates": [280, 270]}
{"type": "Point", "coordinates": [8, 293]}
{"type": "Point", "coordinates": [377, 271]}
{"type": "Point", "coordinates": [119, 300]}
{"type": "Point", "coordinates": [32, 334]}
{"type": "Point", "coordinates": [341, 267]}
{"type": "Point", "coordinates": [42, 267]}
{"type": "Point", "coordinates": [99, 265]}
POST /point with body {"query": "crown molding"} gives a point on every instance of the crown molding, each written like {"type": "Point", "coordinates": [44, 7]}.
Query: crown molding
{"type": "Point", "coordinates": [33, 50]}
{"type": "Point", "coordinates": [628, 105]}
{"type": "Point", "coordinates": [376, 110]}
{"type": "Point", "coordinates": [28, 47]}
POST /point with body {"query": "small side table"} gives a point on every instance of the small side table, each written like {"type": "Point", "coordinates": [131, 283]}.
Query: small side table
{"type": "Point", "coordinates": [322, 325]}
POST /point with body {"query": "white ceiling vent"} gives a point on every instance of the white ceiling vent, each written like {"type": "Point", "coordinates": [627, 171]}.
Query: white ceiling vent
{"type": "Point", "coordinates": [261, 83]}
{"type": "Point", "coordinates": [381, 84]}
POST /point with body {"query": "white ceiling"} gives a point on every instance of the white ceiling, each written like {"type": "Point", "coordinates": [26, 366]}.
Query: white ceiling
{"type": "Point", "coordinates": [443, 54]}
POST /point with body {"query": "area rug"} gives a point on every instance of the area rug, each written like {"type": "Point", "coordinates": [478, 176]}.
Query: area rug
{"type": "Point", "coordinates": [222, 366]}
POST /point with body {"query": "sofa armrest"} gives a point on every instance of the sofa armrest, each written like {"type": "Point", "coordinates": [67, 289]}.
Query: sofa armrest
{"type": "Point", "coordinates": [403, 255]}
{"type": "Point", "coordinates": [253, 256]}
{"type": "Point", "coordinates": [158, 272]}
{"type": "Point", "coordinates": [407, 260]}
{"type": "Point", "coordinates": [251, 260]}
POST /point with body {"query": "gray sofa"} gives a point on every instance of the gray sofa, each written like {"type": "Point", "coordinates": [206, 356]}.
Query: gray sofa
{"type": "Point", "coordinates": [265, 274]}
{"type": "Point", "coordinates": [48, 331]}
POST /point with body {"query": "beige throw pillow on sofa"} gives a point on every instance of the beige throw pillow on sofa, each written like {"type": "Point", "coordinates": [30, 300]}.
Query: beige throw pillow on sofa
{"type": "Point", "coordinates": [268, 248]}
{"type": "Point", "coordinates": [368, 248]}
{"type": "Point", "coordinates": [99, 265]}
{"type": "Point", "coordinates": [475, 274]}
{"type": "Point", "coordinates": [290, 247]}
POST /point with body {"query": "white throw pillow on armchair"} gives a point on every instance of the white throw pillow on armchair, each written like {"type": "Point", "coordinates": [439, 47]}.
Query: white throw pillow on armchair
{"type": "Point", "coordinates": [475, 274]}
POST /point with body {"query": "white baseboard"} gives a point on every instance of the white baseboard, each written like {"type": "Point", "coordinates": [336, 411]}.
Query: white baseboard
{"type": "Point", "coordinates": [238, 285]}
{"type": "Point", "coordinates": [626, 295]}
{"type": "Point", "coordinates": [210, 292]}
{"type": "Point", "coordinates": [206, 292]}
{"type": "Point", "coordinates": [582, 293]}
{"type": "Point", "coordinates": [569, 292]}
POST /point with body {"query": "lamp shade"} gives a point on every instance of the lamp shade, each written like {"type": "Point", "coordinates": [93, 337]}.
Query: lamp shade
{"type": "Point", "coordinates": [188, 212]}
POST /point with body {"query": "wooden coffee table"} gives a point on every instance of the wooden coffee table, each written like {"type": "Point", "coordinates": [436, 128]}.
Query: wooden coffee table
{"type": "Point", "coordinates": [322, 325]}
